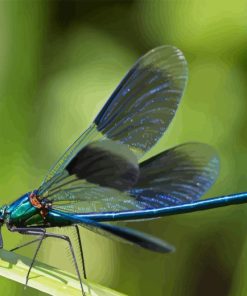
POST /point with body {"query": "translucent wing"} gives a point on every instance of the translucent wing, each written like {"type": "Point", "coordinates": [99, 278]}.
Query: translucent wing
{"type": "Point", "coordinates": [105, 163]}
{"type": "Point", "coordinates": [123, 234]}
{"type": "Point", "coordinates": [179, 175]}
{"type": "Point", "coordinates": [139, 110]}
{"type": "Point", "coordinates": [176, 176]}
{"type": "Point", "coordinates": [143, 105]}
{"type": "Point", "coordinates": [131, 236]}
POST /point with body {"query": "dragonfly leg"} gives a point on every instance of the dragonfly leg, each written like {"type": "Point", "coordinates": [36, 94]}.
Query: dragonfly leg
{"type": "Point", "coordinates": [66, 238]}
{"type": "Point", "coordinates": [31, 231]}
{"type": "Point", "coordinates": [81, 251]}
{"type": "Point", "coordinates": [35, 254]}
{"type": "Point", "coordinates": [42, 232]}
{"type": "Point", "coordinates": [25, 244]}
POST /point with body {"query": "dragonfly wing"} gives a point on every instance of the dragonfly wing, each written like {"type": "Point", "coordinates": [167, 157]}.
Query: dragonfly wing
{"type": "Point", "coordinates": [139, 110]}
{"type": "Point", "coordinates": [179, 175]}
{"type": "Point", "coordinates": [107, 164]}
{"type": "Point", "coordinates": [131, 236]}
{"type": "Point", "coordinates": [176, 176]}
{"type": "Point", "coordinates": [104, 163]}
{"type": "Point", "coordinates": [123, 234]}
{"type": "Point", "coordinates": [143, 105]}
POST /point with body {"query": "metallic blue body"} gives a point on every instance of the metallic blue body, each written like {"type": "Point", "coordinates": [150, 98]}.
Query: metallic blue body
{"type": "Point", "coordinates": [200, 205]}
{"type": "Point", "coordinates": [21, 211]}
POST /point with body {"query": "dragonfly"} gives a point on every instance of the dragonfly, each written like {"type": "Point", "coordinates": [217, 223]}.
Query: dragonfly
{"type": "Point", "coordinates": [102, 176]}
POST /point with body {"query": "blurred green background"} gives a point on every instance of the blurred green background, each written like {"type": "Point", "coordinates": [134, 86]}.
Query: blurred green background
{"type": "Point", "coordinates": [60, 61]}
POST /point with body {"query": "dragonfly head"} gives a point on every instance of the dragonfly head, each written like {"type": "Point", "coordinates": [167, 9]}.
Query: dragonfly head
{"type": "Point", "coordinates": [2, 219]}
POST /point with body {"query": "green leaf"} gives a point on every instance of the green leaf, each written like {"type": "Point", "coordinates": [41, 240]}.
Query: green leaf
{"type": "Point", "coordinates": [46, 278]}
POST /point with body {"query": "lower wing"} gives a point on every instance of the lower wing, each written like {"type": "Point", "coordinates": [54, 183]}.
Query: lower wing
{"type": "Point", "coordinates": [177, 176]}
{"type": "Point", "coordinates": [116, 232]}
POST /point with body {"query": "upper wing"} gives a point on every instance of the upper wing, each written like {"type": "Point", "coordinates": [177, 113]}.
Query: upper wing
{"type": "Point", "coordinates": [143, 105]}
{"type": "Point", "coordinates": [139, 110]}
{"type": "Point", "coordinates": [176, 176]}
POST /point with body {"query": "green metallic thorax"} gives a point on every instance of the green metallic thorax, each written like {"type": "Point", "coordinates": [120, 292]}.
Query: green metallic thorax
{"type": "Point", "coordinates": [29, 211]}
{"type": "Point", "coordinates": [22, 213]}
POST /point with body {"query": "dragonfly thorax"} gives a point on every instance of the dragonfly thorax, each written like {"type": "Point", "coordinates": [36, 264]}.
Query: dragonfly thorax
{"type": "Point", "coordinates": [20, 211]}
{"type": "Point", "coordinates": [42, 205]}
